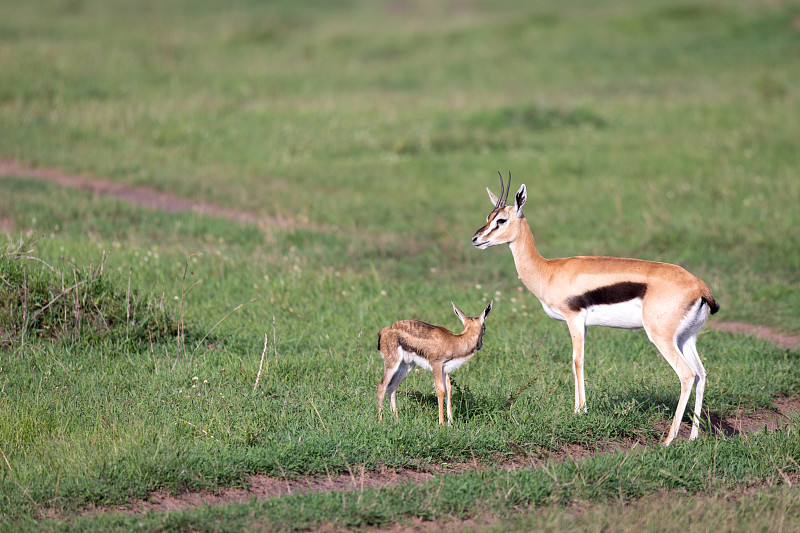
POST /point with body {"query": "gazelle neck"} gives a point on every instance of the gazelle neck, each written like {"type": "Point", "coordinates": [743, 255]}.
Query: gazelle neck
{"type": "Point", "coordinates": [531, 266]}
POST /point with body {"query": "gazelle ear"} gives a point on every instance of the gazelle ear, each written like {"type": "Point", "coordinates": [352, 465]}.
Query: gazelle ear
{"type": "Point", "coordinates": [492, 197]}
{"type": "Point", "coordinates": [461, 316]}
{"type": "Point", "coordinates": [519, 199]}
{"type": "Point", "coordinates": [487, 311]}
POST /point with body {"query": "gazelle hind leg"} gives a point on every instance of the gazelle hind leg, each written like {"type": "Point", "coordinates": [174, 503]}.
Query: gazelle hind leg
{"type": "Point", "coordinates": [389, 373]}
{"type": "Point", "coordinates": [666, 345]}
{"type": "Point", "coordinates": [693, 359]}
{"type": "Point", "coordinates": [392, 378]}
{"type": "Point", "coordinates": [686, 340]}
{"type": "Point", "coordinates": [401, 375]}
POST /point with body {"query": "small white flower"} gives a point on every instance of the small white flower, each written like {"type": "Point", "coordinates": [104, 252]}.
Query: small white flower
{"type": "Point", "coordinates": [478, 286]}
{"type": "Point", "coordinates": [194, 378]}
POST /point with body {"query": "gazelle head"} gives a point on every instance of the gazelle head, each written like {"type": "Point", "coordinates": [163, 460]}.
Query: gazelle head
{"type": "Point", "coordinates": [503, 222]}
{"type": "Point", "coordinates": [474, 325]}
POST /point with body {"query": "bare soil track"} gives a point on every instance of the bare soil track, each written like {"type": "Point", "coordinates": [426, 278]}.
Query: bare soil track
{"type": "Point", "coordinates": [146, 197]}
{"type": "Point", "coordinates": [762, 332]}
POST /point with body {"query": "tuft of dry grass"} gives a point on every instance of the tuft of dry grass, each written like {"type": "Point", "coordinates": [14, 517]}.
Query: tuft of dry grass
{"type": "Point", "coordinates": [70, 302]}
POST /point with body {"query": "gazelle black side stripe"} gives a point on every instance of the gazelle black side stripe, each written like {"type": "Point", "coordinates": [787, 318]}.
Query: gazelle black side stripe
{"type": "Point", "coordinates": [610, 294]}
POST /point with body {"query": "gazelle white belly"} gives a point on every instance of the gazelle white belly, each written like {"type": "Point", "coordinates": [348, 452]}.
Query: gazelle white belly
{"type": "Point", "coordinates": [625, 315]}
{"type": "Point", "coordinates": [552, 313]}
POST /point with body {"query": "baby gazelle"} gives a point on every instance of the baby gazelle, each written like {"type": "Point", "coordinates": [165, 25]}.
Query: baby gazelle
{"type": "Point", "coordinates": [408, 343]}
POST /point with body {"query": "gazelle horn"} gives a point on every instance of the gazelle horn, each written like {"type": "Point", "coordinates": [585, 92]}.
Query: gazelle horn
{"type": "Point", "coordinates": [500, 202]}
{"type": "Point", "coordinates": [508, 188]}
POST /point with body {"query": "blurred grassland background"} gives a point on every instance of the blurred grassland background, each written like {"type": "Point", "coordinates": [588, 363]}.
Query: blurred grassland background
{"type": "Point", "coordinates": [652, 129]}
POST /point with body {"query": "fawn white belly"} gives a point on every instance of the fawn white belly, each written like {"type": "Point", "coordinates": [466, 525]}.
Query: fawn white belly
{"type": "Point", "coordinates": [410, 357]}
{"type": "Point", "coordinates": [453, 364]}
{"type": "Point", "coordinates": [414, 358]}
{"type": "Point", "coordinates": [625, 315]}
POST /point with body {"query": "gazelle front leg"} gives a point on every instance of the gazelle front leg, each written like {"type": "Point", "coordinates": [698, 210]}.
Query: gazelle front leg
{"type": "Point", "coordinates": [439, 384]}
{"type": "Point", "coordinates": [577, 330]}
{"type": "Point", "coordinates": [448, 390]}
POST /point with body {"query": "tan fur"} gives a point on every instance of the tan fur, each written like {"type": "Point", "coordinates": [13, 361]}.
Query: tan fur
{"type": "Point", "coordinates": [407, 343]}
{"type": "Point", "coordinates": [674, 306]}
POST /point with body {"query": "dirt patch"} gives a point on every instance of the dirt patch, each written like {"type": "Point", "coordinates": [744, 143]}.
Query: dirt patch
{"type": "Point", "coordinates": [745, 422]}
{"type": "Point", "coordinates": [763, 332]}
{"type": "Point", "coordinates": [148, 197]}
{"type": "Point", "coordinates": [262, 487]}
{"type": "Point", "coordinates": [760, 420]}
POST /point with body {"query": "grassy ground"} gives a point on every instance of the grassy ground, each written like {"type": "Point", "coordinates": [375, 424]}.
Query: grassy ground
{"type": "Point", "coordinates": [131, 339]}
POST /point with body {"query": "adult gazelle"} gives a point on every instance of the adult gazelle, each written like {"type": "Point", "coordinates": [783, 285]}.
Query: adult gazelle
{"type": "Point", "coordinates": [667, 301]}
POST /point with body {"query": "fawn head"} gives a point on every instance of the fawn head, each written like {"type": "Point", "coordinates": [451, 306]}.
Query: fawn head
{"type": "Point", "coordinates": [474, 325]}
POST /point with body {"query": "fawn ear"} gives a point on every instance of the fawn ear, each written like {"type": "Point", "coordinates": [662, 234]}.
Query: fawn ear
{"type": "Point", "coordinates": [487, 311]}
{"type": "Point", "coordinates": [461, 316]}
{"type": "Point", "coordinates": [519, 199]}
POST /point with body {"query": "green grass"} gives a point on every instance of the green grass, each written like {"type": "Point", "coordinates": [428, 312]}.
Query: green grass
{"type": "Point", "coordinates": [772, 509]}
{"type": "Point", "coordinates": [651, 129]}
{"type": "Point", "coordinates": [702, 468]}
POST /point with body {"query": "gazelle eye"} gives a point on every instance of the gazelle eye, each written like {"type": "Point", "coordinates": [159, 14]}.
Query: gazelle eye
{"type": "Point", "coordinates": [501, 221]}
